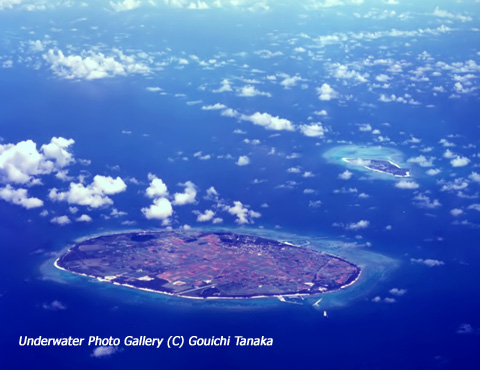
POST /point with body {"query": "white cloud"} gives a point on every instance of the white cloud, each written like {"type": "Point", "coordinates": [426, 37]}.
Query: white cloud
{"type": "Point", "coordinates": [54, 306]}
{"type": "Point", "coordinates": [475, 207]}
{"type": "Point", "coordinates": [212, 193]}
{"type": "Point", "coordinates": [93, 195]}
{"type": "Point", "coordinates": [362, 224]}
{"type": "Point", "coordinates": [294, 170]}
{"type": "Point", "coordinates": [242, 213]}
{"type": "Point", "coordinates": [448, 154]}
{"type": "Point", "coordinates": [157, 187]}
{"type": "Point", "coordinates": [9, 4]}
{"type": "Point", "coordinates": [423, 201]}
{"type": "Point", "coordinates": [343, 72]}
{"type": "Point", "coordinates": [345, 175]}
{"type": "Point", "coordinates": [422, 161]}
{"type": "Point", "coordinates": [397, 292]}
{"type": "Point", "coordinates": [364, 127]}
{"type": "Point", "coordinates": [216, 106]}
{"type": "Point", "coordinates": [457, 184]}
{"type": "Point", "coordinates": [433, 172]}
{"type": "Point", "coordinates": [315, 203]}
{"type": "Point", "coordinates": [249, 91]}
{"type": "Point", "coordinates": [316, 4]}
{"type": "Point", "coordinates": [206, 216]}
{"type": "Point", "coordinates": [405, 99]}
{"type": "Point", "coordinates": [225, 87]}
{"type": "Point", "coordinates": [474, 176]}
{"type": "Point", "coordinates": [61, 220]}
{"type": "Point", "coordinates": [268, 121]}
{"type": "Point", "coordinates": [124, 5]}
{"type": "Point", "coordinates": [153, 88]}
{"type": "Point", "coordinates": [243, 160]}
{"type": "Point", "coordinates": [456, 212]}
{"type": "Point", "coordinates": [161, 209]}
{"type": "Point", "coordinates": [21, 162]}
{"type": "Point", "coordinates": [188, 196]}
{"type": "Point", "coordinates": [84, 218]}
{"type": "Point", "coordinates": [91, 65]}
{"type": "Point", "coordinates": [383, 78]}
{"type": "Point", "coordinates": [427, 262]}
{"type": "Point", "coordinates": [313, 130]}
{"type": "Point", "coordinates": [290, 81]}
{"type": "Point", "coordinates": [404, 184]}
{"type": "Point", "coordinates": [326, 92]}
{"type": "Point", "coordinates": [459, 161]}
{"type": "Point", "coordinates": [199, 5]}
{"type": "Point", "coordinates": [104, 351]}
{"type": "Point", "coordinates": [445, 14]}
{"type": "Point", "coordinates": [19, 197]}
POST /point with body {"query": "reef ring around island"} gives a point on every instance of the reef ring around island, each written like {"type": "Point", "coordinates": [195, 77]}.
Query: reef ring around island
{"type": "Point", "coordinates": [375, 268]}
{"type": "Point", "coordinates": [356, 157]}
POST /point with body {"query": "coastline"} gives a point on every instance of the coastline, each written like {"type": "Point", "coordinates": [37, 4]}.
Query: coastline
{"type": "Point", "coordinates": [375, 170]}
{"type": "Point", "coordinates": [276, 296]}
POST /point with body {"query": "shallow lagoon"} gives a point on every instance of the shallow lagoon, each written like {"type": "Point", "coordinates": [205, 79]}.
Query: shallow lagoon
{"type": "Point", "coordinates": [337, 154]}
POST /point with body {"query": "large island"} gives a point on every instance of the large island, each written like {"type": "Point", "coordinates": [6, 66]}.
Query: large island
{"type": "Point", "coordinates": [196, 264]}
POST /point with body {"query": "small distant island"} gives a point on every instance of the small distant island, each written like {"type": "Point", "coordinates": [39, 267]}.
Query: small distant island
{"type": "Point", "coordinates": [387, 167]}
{"type": "Point", "coordinates": [197, 264]}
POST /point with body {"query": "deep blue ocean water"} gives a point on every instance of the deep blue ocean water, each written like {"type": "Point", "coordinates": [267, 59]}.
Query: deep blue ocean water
{"type": "Point", "coordinates": [127, 131]}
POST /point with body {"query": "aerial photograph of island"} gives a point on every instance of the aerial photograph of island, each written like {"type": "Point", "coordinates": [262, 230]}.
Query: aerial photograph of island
{"type": "Point", "coordinates": [240, 184]}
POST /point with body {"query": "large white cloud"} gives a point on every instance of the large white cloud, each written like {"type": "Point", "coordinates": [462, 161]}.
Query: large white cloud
{"type": "Point", "coordinates": [91, 65]}
{"type": "Point", "coordinates": [61, 220]}
{"type": "Point", "coordinates": [422, 161]}
{"type": "Point", "coordinates": [93, 195]}
{"type": "Point", "coordinates": [345, 175]}
{"type": "Point", "coordinates": [19, 197]}
{"type": "Point", "coordinates": [404, 184]}
{"type": "Point", "coordinates": [20, 163]}
{"type": "Point", "coordinates": [188, 196]}
{"type": "Point", "coordinates": [326, 92]}
{"type": "Point", "coordinates": [268, 121]}
{"type": "Point", "coordinates": [161, 209]}
{"type": "Point", "coordinates": [157, 187]}
{"type": "Point", "coordinates": [313, 130]}
{"type": "Point", "coordinates": [206, 216]}
{"type": "Point", "coordinates": [362, 224]}
{"type": "Point", "coordinates": [243, 160]}
{"type": "Point", "coordinates": [459, 161]}
{"type": "Point", "coordinates": [242, 213]}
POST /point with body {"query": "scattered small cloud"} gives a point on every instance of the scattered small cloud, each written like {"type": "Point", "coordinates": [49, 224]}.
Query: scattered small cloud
{"type": "Point", "coordinates": [346, 175]}
{"type": "Point", "coordinates": [243, 160]}
{"type": "Point", "coordinates": [54, 306]}
{"type": "Point", "coordinates": [427, 262]}
{"type": "Point", "coordinates": [61, 220]}
{"type": "Point", "coordinates": [100, 352]}
{"type": "Point", "coordinates": [406, 184]}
